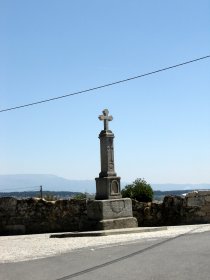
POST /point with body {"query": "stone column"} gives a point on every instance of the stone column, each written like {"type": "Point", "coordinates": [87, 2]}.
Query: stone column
{"type": "Point", "coordinates": [107, 154]}
{"type": "Point", "coordinates": [108, 184]}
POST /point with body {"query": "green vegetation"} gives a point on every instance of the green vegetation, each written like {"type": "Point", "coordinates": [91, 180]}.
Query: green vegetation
{"type": "Point", "coordinates": [80, 196]}
{"type": "Point", "coordinates": [48, 194]}
{"type": "Point", "coordinates": [139, 190]}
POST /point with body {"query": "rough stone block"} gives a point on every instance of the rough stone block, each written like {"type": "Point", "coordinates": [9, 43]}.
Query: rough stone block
{"type": "Point", "coordinates": [129, 222]}
{"type": "Point", "coordinates": [195, 201]}
{"type": "Point", "coordinates": [200, 213]}
{"type": "Point", "coordinates": [109, 209]}
{"type": "Point", "coordinates": [192, 194]}
{"type": "Point", "coordinates": [91, 225]}
{"type": "Point", "coordinates": [207, 198]}
{"type": "Point", "coordinates": [9, 204]}
{"type": "Point", "coordinates": [205, 208]}
{"type": "Point", "coordinates": [203, 193]}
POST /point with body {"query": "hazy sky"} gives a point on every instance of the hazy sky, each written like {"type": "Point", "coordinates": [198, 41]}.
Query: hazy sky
{"type": "Point", "coordinates": [161, 122]}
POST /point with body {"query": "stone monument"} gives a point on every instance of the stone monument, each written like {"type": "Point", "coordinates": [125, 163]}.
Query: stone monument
{"type": "Point", "coordinates": [109, 210]}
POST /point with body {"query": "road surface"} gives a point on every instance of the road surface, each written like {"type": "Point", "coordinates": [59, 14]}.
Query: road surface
{"type": "Point", "coordinates": [182, 256]}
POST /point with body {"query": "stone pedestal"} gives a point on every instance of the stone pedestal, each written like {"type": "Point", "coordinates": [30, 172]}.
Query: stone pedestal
{"type": "Point", "coordinates": [108, 188]}
{"type": "Point", "coordinates": [110, 214]}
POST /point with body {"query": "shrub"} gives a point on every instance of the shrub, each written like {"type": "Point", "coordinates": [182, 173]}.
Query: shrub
{"type": "Point", "coordinates": [139, 190]}
{"type": "Point", "coordinates": [80, 196]}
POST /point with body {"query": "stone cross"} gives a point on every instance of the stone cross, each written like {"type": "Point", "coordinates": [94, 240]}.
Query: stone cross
{"type": "Point", "coordinates": [106, 118]}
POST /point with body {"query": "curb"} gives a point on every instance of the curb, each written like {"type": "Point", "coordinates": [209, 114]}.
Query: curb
{"type": "Point", "coordinates": [107, 232]}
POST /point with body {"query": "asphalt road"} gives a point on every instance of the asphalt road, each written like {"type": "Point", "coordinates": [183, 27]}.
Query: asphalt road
{"type": "Point", "coordinates": [182, 257]}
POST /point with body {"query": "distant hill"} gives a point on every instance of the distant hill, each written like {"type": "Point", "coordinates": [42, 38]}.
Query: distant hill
{"type": "Point", "coordinates": [53, 195]}
{"type": "Point", "coordinates": [49, 195]}
{"type": "Point", "coordinates": [32, 182]}
{"type": "Point", "coordinates": [173, 187]}
{"type": "Point", "coordinates": [159, 195]}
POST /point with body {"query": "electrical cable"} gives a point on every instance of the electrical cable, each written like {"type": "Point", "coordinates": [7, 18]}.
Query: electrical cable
{"type": "Point", "coordinates": [105, 85]}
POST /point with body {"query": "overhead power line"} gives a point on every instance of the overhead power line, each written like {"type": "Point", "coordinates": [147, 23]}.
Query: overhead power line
{"type": "Point", "coordinates": [105, 85]}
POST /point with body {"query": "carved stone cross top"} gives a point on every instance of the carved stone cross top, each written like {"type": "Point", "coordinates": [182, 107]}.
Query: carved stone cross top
{"type": "Point", "coordinates": [106, 118]}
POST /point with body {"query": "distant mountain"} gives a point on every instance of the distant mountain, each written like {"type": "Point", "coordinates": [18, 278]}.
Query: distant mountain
{"type": "Point", "coordinates": [32, 182]}
{"type": "Point", "coordinates": [173, 187]}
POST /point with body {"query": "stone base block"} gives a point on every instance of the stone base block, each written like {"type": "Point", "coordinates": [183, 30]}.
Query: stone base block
{"type": "Point", "coordinates": [109, 209]}
{"type": "Point", "coordinates": [109, 214]}
{"type": "Point", "coordinates": [91, 225]}
{"type": "Point", "coordinates": [117, 223]}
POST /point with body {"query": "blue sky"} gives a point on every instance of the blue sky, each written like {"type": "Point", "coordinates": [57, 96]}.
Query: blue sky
{"type": "Point", "coordinates": [161, 122]}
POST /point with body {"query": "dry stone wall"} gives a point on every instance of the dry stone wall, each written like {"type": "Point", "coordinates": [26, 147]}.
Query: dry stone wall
{"type": "Point", "coordinates": [175, 210]}
{"type": "Point", "coordinates": [28, 216]}
{"type": "Point", "coordinates": [40, 216]}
